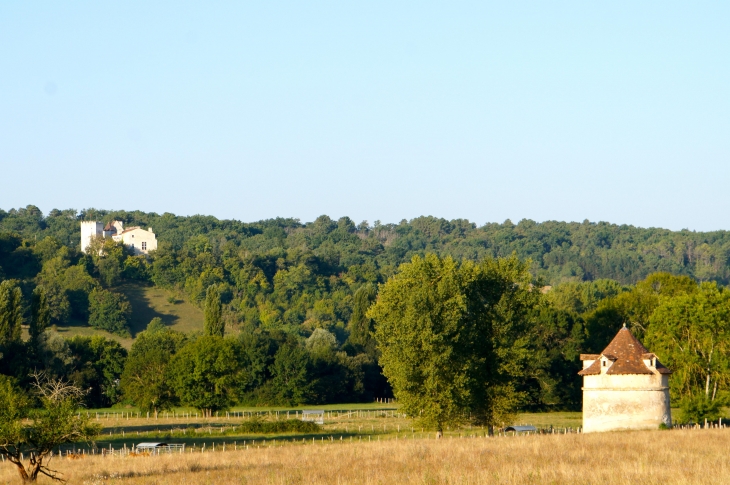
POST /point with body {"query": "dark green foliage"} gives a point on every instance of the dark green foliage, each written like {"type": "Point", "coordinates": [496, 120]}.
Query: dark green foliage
{"type": "Point", "coordinates": [136, 268]}
{"type": "Point", "coordinates": [289, 383]}
{"type": "Point", "coordinates": [454, 339]}
{"type": "Point", "coordinates": [17, 259]}
{"type": "Point", "coordinates": [205, 373]}
{"type": "Point", "coordinates": [335, 376]}
{"type": "Point", "coordinates": [11, 312]}
{"type": "Point", "coordinates": [109, 311]}
{"type": "Point", "coordinates": [40, 314]}
{"type": "Point", "coordinates": [97, 364]}
{"type": "Point", "coordinates": [67, 286]}
{"type": "Point", "coordinates": [360, 326]}
{"type": "Point", "coordinates": [691, 333]}
{"type": "Point", "coordinates": [260, 426]}
{"type": "Point", "coordinates": [695, 409]}
{"type": "Point", "coordinates": [557, 339]}
{"type": "Point", "coordinates": [213, 312]}
{"type": "Point", "coordinates": [146, 380]}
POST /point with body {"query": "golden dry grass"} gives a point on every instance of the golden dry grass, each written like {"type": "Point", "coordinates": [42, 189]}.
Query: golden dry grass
{"type": "Point", "coordinates": [645, 458]}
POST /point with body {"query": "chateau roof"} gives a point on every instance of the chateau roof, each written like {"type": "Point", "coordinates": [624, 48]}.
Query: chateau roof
{"type": "Point", "coordinates": [130, 229]}
{"type": "Point", "coordinates": [627, 355]}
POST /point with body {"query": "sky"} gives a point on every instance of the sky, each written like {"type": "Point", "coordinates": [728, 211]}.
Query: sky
{"type": "Point", "coordinates": [564, 110]}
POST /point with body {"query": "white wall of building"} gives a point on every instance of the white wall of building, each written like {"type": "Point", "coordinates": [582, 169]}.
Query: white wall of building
{"type": "Point", "coordinates": [140, 240]}
{"type": "Point", "coordinates": [619, 402]}
{"type": "Point", "coordinates": [90, 230]}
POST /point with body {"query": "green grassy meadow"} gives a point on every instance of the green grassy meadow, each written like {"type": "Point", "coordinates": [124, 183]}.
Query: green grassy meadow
{"type": "Point", "coordinates": [147, 303]}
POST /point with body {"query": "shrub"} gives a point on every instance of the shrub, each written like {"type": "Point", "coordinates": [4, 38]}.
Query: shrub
{"type": "Point", "coordinates": [256, 425]}
{"type": "Point", "coordinates": [698, 408]}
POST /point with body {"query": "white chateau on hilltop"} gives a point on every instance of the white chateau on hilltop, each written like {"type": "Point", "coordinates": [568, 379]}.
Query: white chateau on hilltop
{"type": "Point", "coordinates": [142, 241]}
{"type": "Point", "coordinates": [624, 387]}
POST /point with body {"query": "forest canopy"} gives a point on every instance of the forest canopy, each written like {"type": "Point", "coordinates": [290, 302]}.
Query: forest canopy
{"type": "Point", "coordinates": [286, 302]}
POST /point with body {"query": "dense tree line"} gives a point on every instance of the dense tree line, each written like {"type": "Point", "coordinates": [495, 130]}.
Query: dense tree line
{"type": "Point", "coordinates": [559, 251]}
{"type": "Point", "coordinates": [287, 304]}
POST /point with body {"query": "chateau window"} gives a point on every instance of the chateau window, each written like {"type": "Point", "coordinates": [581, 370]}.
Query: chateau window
{"type": "Point", "coordinates": [144, 245]}
{"type": "Point", "coordinates": [604, 363]}
{"type": "Point", "coordinates": [132, 245]}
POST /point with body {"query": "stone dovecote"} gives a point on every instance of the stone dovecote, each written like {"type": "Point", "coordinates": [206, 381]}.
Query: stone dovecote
{"type": "Point", "coordinates": [624, 387]}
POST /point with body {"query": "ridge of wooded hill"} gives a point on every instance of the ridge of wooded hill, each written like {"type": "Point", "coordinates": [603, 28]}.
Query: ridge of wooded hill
{"type": "Point", "coordinates": [560, 251]}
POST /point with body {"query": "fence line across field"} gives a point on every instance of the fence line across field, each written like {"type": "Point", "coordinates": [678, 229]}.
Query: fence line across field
{"type": "Point", "coordinates": [295, 414]}
{"type": "Point", "coordinates": [76, 453]}
{"type": "Point", "coordinates": [316, 416]}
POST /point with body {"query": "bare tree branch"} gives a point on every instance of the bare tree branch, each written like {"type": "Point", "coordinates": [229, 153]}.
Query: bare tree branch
{"type": "Point", "coordinates": [55, 389]}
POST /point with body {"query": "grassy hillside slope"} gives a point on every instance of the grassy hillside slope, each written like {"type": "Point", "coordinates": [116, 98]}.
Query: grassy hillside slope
{"type": "Point", "coordinates": [147, 302]}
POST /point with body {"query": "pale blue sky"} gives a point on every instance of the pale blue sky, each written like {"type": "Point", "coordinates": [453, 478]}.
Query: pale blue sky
{"type": "Point", "coordinates": [616, 111]}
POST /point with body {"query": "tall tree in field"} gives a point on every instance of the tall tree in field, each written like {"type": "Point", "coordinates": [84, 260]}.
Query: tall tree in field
{"type": "Point", "coordinates": [214, 324]}
{"type": "Point", "coordinates": [145, 379]}
{"type": "Point", "coordinates": [361, 326]}
{"type": "Point", "coordinates": [498, 339]}
{"type": "Point", "coordinates": [289, 376]}
{"type": "Point", "coordinates": [452, 337]}
{"type": "Point", "coordinates": [40, 314]}
{"type": "Point", "coordinates": [691, 333]}
{"type": "Point", "coordinates": [11, 312]}
{"type": "Point", "coordinates": [206, 373]}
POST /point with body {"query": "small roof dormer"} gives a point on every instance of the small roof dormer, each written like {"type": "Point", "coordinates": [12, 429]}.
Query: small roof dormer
{"type": "Point", "coordinates": [626, 356]}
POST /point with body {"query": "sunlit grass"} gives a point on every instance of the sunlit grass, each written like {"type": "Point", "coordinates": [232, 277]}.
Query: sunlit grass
{"type": "Point", "coordinates": [649, 457]}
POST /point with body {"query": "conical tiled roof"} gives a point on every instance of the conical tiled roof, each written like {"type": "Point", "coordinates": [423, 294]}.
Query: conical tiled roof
{"type": "Point", "coordinates": [627, 355]}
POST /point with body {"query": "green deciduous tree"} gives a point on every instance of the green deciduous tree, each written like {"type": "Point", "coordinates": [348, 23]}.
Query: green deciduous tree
{"type": "Point", "coordinates": [29, 435]}
{"type": "Point", "coordinates": [289, 382]}
{"type": "Point", "coordinates": [97, 365]}
{"type": "Point", "coordinates": [691, 334]}
{"type": "Point", "coordinates": [205, 373]}
{"type": "Point", "coordinates": [108, 257]}
{"type": "Point", "coordinates": [214, 324]}
{"type": "Point", "coordinates": [361, 326]}
{"type": "Point", "coordinates": [109, 311]}
{"type": "Point", "coordinates": [11, 312]}
{"type": "Point", "coordinates": [40, 314]}
{"type": "Point", "coordinates": [452, 337]}
{"type": "Point", "coordinates": [557, 338]}
{"type": "Point", "coordinates": [146, 380]}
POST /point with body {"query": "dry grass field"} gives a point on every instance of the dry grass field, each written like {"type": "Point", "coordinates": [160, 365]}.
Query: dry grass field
{"type": "Point", "coordinates": [122, 427]}
{"type": "Point", "coordinates": [645, 458]}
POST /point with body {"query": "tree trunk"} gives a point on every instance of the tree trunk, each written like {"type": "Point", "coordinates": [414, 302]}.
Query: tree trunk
{"type": "Point", "coordinates": [707, 386]}
{"type": "Point", "coordinates": [439, 434]}
{"type": "Point", "coordinates": [21, 471]}
{"type": "Point", "coordinates": [34, 472]}
{"type": "Point", "coordinates": [490, 430]}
